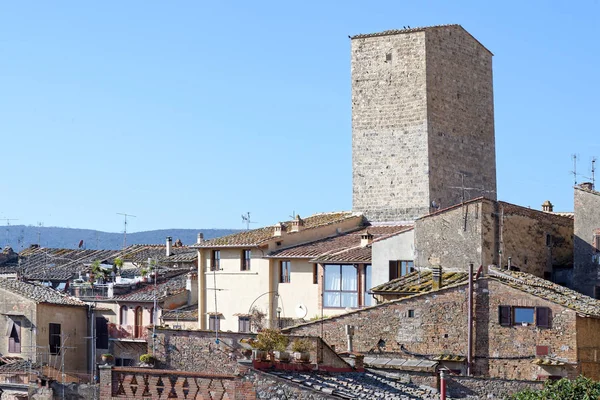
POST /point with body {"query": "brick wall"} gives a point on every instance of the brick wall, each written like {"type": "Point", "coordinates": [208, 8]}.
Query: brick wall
{"type": "Point", "coordinates": [587, 220]}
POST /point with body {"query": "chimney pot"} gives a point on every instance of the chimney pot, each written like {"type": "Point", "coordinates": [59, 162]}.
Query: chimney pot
{"type": "Point", "coordinates": [200, 238]}
{"type": "Point", "coordinates": [547, 206]}
{"type": "Point", "coordinates": [587, 186]}
{"type": "Point", "coordinates": [297, 224]}
{"type": "Point", "coordinates": [278, 229]}
{"type": "Point", "coordinates": [366, 239]}
{"type": "Point", "coordinates": [169, 245]}
{"type": "Point", "coordinates": [436, 275]}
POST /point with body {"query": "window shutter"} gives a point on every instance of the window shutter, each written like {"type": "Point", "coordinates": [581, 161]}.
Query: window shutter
{"type": "Point", "coordinates": [9, 326]}
{"type": "Point", "coordinates": [393, 270]}
{"type": "Point", "coordinates": [504, 316]}
{"type": "Point", "coordinates": [542, 317]}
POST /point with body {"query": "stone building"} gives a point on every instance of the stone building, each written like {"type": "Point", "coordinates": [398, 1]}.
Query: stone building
{"type": "Point", "coordinates": [487, 232]}
{"type": "Point", "coordinates": [586, 276]}
{"type": "Point", "coordinates": [422, 121]}
{"type": "Point", "coordinates": [524, 327]}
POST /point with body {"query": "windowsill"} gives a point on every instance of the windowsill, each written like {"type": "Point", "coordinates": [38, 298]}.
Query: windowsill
{"type": "Point", "coordinates": [231, 273]}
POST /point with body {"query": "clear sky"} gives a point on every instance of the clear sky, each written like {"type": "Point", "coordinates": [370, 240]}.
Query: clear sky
{"type": "Point", "coordinates": [188, 114]}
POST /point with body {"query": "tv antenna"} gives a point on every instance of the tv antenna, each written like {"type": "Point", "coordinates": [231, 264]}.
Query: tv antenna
{"type": "Point", "coordinates": [574, 172]}
{"type": "Point", "coordinates": [125, 215]}
{"type": "Point", "coordinates": [293, 216]}
{"type": "Point", "coordinates": [247, 220]}
{"type": "Point", "coordinates": [593, 177]}
{"type": "Point", "coordinates": [39, 233]}
{"type": "Point", "coordinates": [7, 227]}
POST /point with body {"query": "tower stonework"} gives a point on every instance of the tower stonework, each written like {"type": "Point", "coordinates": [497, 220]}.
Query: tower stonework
{"type": "Point", "coordinates": [422, 122]}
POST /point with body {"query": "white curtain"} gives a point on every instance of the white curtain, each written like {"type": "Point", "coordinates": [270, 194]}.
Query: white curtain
{"type": "Point", "coordinates": [332, 277]}
{"type": "Point", "coordinates": [349, 278]}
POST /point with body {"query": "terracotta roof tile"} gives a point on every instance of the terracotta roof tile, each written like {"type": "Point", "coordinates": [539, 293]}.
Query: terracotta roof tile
{"type": "Point", "coordinates": [172, 285]}
{"type": "Point", "coordinates": [39, 293]}
{"type": "Point", "coordinates": [400, 31]}
{"type": "Point", "coordinates": [189, 313]}
{"type": "Point", "coordinates": [259, 236]}
{"type": "Point", "coordinates": [419, 282]}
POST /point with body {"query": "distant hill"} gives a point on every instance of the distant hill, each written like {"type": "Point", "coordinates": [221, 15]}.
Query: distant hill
{"type": "Point", "coordinates": [21, 236]}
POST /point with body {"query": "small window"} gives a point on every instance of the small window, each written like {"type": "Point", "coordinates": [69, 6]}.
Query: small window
{"type": "Point", "coordinates": [14, 338]}
{"type": "Point", "coordinates": [54, 338]}
{"type": "Point", "coordinates": [244, 324]}
{"type": "Point", "coordinates": [101, 333]}
{"type": "Point", "coordinates": [400, 268]}
{"type": "Point", "coordinates": [596, 241]}
{"type": "Point", "coordinates": [542, 351]}
{"type": "Point", "coordinates": [123, 362]}
{"type": "Point", "coordinates": [523, 315]}
{"type": "Point", "coordinates": [246, 256]}
{"type": "Point", "coordinates": [504, 316]}
{"type": "Point", "coordinates": [542, 317]}
{"type": "Point", "coordinates": [123, 315]}
{"type": "Point", "coordinates": [388, 57]}
{"type": "Point", "coordinates": [285, 271]}
{"type": "Point", "coordinates": [411, 313]}
{"type": "Point", "coordinates": [548, 240]}
{"type": "Point", "coordinates": [214, 323]}
{"type": "Point", "coordinates": [215, 262]}
{"type": "Point", "coordinates": [315, 274]}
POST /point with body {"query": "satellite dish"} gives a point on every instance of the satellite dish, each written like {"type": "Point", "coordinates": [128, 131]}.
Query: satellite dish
{"type": "Point", "coordinates": [301, 310]}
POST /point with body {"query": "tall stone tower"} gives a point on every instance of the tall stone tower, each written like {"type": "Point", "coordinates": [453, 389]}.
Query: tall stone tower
{"type": "Point", "coordinates": [422, 121]}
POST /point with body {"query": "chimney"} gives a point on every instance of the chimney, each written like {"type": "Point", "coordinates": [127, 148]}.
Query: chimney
{"type": "Point", "coordinates": [297, 224]}
{"type": "Point", "coordinates": [200, 238]}
{"type": "Point", "coordinates": [436, 275]}
{"type": "Point", "coordinates": [169, 245]}
{"type": "Point", "coordinates": [366, 239]}
{"type": "Point", "coordinates": [110, 291]}
{"type": "Point", "coordinates": [547, 206]}
{"type": "Point", "coordinates": [191, 286]}
{"type": "Point", "coordinates": [278, 229]}
{"type": "Point", "coordinates": [587, 186]}
{"type": "Point", "coordinates": [349, 334]}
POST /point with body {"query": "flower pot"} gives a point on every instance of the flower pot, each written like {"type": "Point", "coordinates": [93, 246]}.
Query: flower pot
{"type": "Point", "coordinates": [303, 357]}
{"type": "Point", "coordinates": [282, 356]}
{"type": "Point", "coordinates": [107, 359]}
{"type": "Point", "coordinates": [259, 355]}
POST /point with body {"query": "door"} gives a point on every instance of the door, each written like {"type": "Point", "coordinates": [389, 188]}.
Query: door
{"type": "Point", "coordinates": [138, 330]}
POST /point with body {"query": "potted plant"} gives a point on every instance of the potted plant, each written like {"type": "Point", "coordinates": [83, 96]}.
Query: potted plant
{"type": "Point", "coordinates": [267, 341]}
{"type": "Point", "coordinates": [107, 358]}
{"type": "Point", "coordinates": [280, 348]}
{"type": "Point", "coordinates": [301, 348]}
{"type": "Point", "coordinates": [147, 360]}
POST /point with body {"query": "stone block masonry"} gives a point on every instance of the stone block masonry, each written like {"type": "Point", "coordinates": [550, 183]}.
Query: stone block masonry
{"type": "Point", "coordinates": [422, 115]}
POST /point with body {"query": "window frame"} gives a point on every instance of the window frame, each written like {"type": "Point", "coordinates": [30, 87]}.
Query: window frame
{"type": "Point", "coordinates": [101, 333]}
{"type": "Point", "coordinates": [285, 271]}
{"type": "Point", "coordinates": [514, 316]}
{"type": "Point", "coordinates": [542, 316]}
{"type": "Point", "coordinates": [123, 311]}
{"type": "Point", "coordinates": [315, 274]}
{"type": "Point", "coordinates": [397, 266]}
{"type": "Point", "coordinates": [14, 343]}
{"type": "Point", "coordinates": [214, 322]}
{"type": "Point", "coordinates": [341, 291]}
{"type": "Point", "coordinates": [215, 260]}
{"type": "Point", "coordinates": [244, 324]}
{"type": "Point", "coordinates": [245, 260]}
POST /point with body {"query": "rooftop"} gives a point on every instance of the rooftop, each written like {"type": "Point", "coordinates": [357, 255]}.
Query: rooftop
{"type": "Point", "coordinates": [146, 292]}
{"type": "Point", "coordinates": [255, 237]}
{"type": "Point", "coordinates": [189, 313]}
{"type": "Point", "coordinates": [419, 282]}
{"type": "Point", "coordinates": [39, 293]}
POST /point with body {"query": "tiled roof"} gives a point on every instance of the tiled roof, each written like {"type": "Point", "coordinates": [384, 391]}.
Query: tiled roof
{"type": "Point", "coordinates": [419, 282]}
{"type": "Point", "coordinates": [39, 293]}
{"type": "Point", "coordinates": [182, 314]}
{"type": "Point", "coordinates": [547, 290]}
{"type": "Point", "coordinates": [259, 236]}
{"type": "Point", "coordinates": [353, 255]}
{"type": "Point", "coordinates": [342, 243]}
{"type": "Point", "coordinates": [145, 293]}
{"type": "Point", "coordinates": [18, 366]}
{"type": "Point", "coordinates": [399, 31]}
{"type": "Point", "coordinates": [142, 252]}
{"type": "Point", "coordinates": [189, 256]}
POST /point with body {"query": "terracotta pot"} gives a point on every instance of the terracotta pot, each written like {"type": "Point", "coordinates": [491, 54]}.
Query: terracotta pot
{"type": "Point", "coordinates": [282, 356]}
{"type": "Point", "coordinates": [259, 355]}
{"type": "Point", "coordinates": [303, 357]}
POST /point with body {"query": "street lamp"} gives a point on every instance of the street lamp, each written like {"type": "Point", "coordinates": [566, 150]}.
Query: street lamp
{"type": "Point", "coordinates": [279, 317]}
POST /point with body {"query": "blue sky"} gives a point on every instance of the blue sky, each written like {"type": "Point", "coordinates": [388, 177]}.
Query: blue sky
{"type": "Point", "coordinates": [188, 114]}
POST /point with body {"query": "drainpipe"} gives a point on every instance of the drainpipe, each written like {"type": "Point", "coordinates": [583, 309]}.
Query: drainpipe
{"type": "Point", "coordinates": [442, 385]}
{"type": "Point", "coordinates": [470, 321]}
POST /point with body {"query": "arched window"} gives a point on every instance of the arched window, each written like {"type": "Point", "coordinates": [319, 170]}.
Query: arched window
{"type": "Point", "coordinates": [123, 315]}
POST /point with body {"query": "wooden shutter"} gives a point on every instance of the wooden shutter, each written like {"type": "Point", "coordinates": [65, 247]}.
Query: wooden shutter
{"type": "Point", "coordinates": [504, 316]}
{"type": "Point", "coordinates": [542, 317]}
{"type": "Point", "coordinates": [14, 340]}
{"type": "Point", "coordinates": [101, 333]}
{"type": "Point", "coordinates": [393, 270]}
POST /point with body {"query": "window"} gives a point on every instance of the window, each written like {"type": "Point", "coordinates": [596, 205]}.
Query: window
{"type": "Point", "coordinates": [285, 271]}
{"type": "Point", "coordinates": [341, 286]}
{"type": "Point", "coordinates": [523, 315]}
{"type": "Point", "coordinates": [243, 324]}
{"type": "Point", "coordinates": [246, 256]}
{"type": "Point", "coordinates": [123, 315]}
{"type": "Point", "coordinates": [596, 241]}
{"type": "Point", "coordinates": [54, 338]}
{"type": "Point", "coordinates": [400, 268]}
{"type": "Point", "coordinates": [215, 260]}
{"type": "Point", "coordinates": [411, 313]}
{"type": "Point", "coordinates": [152, 316]}
{"type": "Point", "coordinates": [101, 333]}
{"type": "Point", "coordinates": [14, 336]}
{"type": "Point", "coordinates": [367, 298]}
{"type": "Point", "coordinates": [315, 274]}
{"type": "Point", "coordinates": [509, 316]}
{"type": "Point", "coordinates": [388, 57]}
{"type": "Point", "coordinates": [123, 362]}
{"type": "Point", "coordinates": [214, 323]}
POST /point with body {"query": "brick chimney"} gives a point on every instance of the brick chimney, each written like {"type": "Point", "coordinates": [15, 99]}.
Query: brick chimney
{"type": "Point", "coordinates": [297, 224]}
{"type": "Point", "coordinates": [278, 229]}
{"type": "Point", "coordinates": [547, 206]}
{"type": "Point", "coordinates": [200, 238]}
{"type": "Point", "coordinates": [436, 276]}
{"type": "Point", "coordinates": [169, 246]}
{"type": "Point", "coordinates": [366, 239]}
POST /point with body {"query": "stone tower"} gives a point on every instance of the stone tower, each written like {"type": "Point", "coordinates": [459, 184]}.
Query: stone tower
{"type": "Point", "coordinates": [422, 121]}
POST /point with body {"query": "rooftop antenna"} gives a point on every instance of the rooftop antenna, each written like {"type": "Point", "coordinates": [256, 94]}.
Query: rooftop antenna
{"type": "Point", "coordinates": [246, 219]}
{"type": "Point", "coordinates": [293, 216]}
{"type": "Point", "coordinates": [8, 226]}
{"type": "Point", "coordinates": [39, 233]}
{"type": "Point", "coordinates": [574, 172]}
{"type": "Point", "coordinates": [125, 227]}
{"type": "Point", "coordinates": [593, 177]}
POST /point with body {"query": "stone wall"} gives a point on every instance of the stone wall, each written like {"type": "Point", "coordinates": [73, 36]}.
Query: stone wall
{"type": "Point", "coordinates": [463, 387]}
{"type": "Point", "coordinates": [587, 221]}
{"type": "Point", "coordinates": [422, 113]}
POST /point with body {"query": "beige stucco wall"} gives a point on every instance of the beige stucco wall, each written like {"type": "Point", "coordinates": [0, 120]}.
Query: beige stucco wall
{"type": "Point", "coordinates": [74, 329]}
{"type": "Point", "coordinates": [398, 247]}
{"type": "Point", "coordinates": [17, 305]}
{"type": "Point", "coordinates": [300, 289]}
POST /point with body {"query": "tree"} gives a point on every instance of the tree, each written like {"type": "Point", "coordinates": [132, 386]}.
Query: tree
{"type": "Point", "coordinates": [581, 388]}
